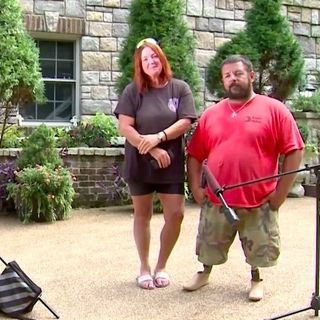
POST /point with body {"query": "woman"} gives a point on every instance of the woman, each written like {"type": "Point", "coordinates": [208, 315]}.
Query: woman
{"type": "Point", "coordinates": [154, 112]}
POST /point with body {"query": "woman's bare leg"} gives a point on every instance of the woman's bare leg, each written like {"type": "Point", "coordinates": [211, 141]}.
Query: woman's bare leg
{"type": "Point", "coordinates": [173, 210]}
{"type": "Point", "coordinates": [141, 231]}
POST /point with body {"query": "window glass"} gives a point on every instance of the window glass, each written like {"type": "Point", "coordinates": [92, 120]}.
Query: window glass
{"type": "Point", "coordinates": [46, 111]}
{"type": "Point", "coordinates": [57, 63]}
{"type": "Point", "coordinates": [47, 68]}
{"type": "Point", "coordinates": [65, 50]}
{"type": "Point", "coordinates": [28, 111]}
{"type": "Point", "coordinates": [63, 110]}
{"type": "Point", "coordinates": [65, 69]}
{"type": "Point", "coordinates": [49, 90]}
{"type": "Point", "coordinates": [63, 91]}
{"type": "Point", "coordinates": [47, 49]}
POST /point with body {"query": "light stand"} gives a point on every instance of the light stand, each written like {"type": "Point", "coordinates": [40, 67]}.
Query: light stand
{"type": "Point", "coordinates": [208, 178]}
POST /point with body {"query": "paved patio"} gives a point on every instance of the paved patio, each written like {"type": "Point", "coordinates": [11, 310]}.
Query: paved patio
{"type": "Point", "coordinates": [87, 266]}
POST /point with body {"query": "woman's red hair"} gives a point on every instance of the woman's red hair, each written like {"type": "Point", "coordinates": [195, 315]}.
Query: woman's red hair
{"type": "Point", "coordinates": [142, 80]}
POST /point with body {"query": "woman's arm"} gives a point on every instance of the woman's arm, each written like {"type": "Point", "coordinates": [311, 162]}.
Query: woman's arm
{"type": "Point", "coordinates": [126, 129]}
{"type": "Point", "coordinates": [176, 130]}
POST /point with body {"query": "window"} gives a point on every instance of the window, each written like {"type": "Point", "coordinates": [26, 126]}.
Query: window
{"type": "Point", "coordinates": [57, 61]}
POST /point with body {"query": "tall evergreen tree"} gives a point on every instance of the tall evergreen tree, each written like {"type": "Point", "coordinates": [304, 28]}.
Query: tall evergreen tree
{"type": "Point", "coordinates": [164, 21]}
{"type": "Point", "coordinates": [20, 79]}
{"type": "Point", "coordinates": [269, 42]}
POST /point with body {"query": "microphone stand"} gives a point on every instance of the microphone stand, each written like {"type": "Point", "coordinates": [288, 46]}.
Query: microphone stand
{"type": "Point", "coordinates": [209, 179]}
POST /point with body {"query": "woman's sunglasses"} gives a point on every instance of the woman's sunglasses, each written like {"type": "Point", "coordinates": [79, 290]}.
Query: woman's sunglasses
{"type": "Point", "coordinates": [147, 40]}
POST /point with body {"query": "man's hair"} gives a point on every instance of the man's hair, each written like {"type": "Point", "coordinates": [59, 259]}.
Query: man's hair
{"type": "Point", "coordinates": [141, 79]}
{"type": "Point", "coordinates": [238, 58]}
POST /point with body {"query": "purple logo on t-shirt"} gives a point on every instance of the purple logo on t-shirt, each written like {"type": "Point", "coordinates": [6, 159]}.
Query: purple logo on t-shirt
{"type": "Point", "coordinates": [173, 104]}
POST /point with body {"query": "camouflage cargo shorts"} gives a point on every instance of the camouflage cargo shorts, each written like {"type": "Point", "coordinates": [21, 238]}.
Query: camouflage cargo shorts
{"type": "Point", "coordinates": [258, 231]}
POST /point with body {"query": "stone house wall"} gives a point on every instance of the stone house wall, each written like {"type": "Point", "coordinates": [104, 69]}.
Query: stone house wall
{"type": "Point", "coordinates": [101, 27]}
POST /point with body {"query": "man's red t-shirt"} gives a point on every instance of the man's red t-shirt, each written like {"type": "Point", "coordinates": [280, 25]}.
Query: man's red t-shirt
{"type": "Point", "coordinates": [245, 147]}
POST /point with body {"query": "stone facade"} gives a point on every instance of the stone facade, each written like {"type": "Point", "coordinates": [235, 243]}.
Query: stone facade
{"type": "Point", "coordinates": [101, 27]}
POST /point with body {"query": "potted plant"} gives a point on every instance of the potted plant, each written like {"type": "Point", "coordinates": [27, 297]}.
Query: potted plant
{"type": "Point", "coordinates": [43, 189]}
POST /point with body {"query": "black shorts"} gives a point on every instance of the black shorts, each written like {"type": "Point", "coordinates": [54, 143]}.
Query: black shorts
{"type": "Point", "coordinates": [142, 188]}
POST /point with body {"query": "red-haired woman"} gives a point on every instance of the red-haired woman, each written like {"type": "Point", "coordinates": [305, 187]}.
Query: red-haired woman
{"type": "Point", "coordinates": [154, 112]}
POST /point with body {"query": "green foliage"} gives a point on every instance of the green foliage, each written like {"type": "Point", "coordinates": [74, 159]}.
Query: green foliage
{"type": "Point", "coordinates": [42, 193]}
{"type": "Point", "coordinates": [43, 189]}
{"type": "Point", "coordinates": [13, 137]}
{"type": "Point", "coordinates": [40, 149]}
{"type": "Point", "coordinates": [162, 20]}
{"type": "Point", "coordinates": [20, 79]}
{"type": "Point", "coordinates": [310, 147]}
{"type": "Point", "coordinates": [63, 138]}
{"type": "Point", "coordinates": [304, 132]}
{"type": "Point", "coordinates": [268, 41]}
{"type": "Point", "coordinates": [97, 132]}
{"type": "Point", "coordinates": [307, 103]}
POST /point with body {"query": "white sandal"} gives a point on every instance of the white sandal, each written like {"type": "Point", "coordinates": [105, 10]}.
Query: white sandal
{"type": "Point", "coordinates": [161, 275]}
{"type": "Point", "coordinates": [145, 281]}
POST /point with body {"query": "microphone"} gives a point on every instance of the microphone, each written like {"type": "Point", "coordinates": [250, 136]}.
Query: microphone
{"type": "Point", "coordinates": [209, 179]}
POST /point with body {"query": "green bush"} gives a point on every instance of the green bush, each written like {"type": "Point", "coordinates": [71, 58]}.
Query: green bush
{"type": "Point", "coordinates": [307, 103]}
{"type": "Point", "coordinates": [21, 80]}
{"type": "Point", "coordinates": [14, 137]}
{"type": "Point", "coordinates": [42, 194]}
{"type": "Point", "coordinates": [40, 149]}
{"type": "Point", "coordinates": [274, 50]}
{"type": "Point", "coordinates": [43, 189]}
{"type": "Point", "coordinates": [98, 131]}
{"type": "Point", "coordinates": [304, 132]}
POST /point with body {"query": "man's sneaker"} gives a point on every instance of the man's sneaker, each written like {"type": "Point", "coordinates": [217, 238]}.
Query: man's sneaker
{"type": "Point", "coordinates": [199, 280]}
{"type": "Point", "coordinates": [256, 291]}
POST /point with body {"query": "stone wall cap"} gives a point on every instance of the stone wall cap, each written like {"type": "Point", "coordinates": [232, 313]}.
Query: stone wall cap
{"type": "Point", "coordinates": [305, 115]}
{"type": "Point", "coordinates": [71, 151]}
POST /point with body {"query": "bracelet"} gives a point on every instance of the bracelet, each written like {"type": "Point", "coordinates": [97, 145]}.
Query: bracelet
{"type": "Point", "coordinates": [165, 135]}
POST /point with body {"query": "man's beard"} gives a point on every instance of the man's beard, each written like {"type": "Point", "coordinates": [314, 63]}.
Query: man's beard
{"type": "Point", "coordinates": [242, 92]}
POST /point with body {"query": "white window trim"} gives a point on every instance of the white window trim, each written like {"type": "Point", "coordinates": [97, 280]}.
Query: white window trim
{"type": "Point", "coordinates": [76, 118]}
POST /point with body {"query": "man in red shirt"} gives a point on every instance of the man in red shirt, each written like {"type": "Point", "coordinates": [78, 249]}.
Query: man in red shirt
{"type": "Point", "coordinates": [242, 137]}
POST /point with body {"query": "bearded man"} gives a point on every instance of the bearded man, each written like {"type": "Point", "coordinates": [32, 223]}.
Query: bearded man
{"type": "Point", "coordinates": [241, 138]}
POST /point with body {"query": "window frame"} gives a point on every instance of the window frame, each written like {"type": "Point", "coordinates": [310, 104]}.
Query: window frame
{"type": "Point", "coordinates": [37, 36]}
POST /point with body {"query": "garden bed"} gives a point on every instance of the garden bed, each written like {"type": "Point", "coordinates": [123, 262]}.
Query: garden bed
{"type": "Point", "coordinates": [97, 174]}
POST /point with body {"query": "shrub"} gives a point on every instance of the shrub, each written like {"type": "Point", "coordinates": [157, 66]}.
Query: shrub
{"type": "Point", "coordinates": [275, 52]}
{"type": "Point", "coordinates": [42, 193]}
{"type": "Point", "coordinates": [307, 103]}
{"type": "Point", "coordinates": [7, 175]}
{"type": "Point", "coordinates": [20, 80]}
{"type": "Point", "coordinates": [40, 149]}
{"type": "Point", "coordinates": [97, 132]}
{"type": "Point", "coordinates": [13, 137]}
{"type": "Point", "coordinates": [43, 190]}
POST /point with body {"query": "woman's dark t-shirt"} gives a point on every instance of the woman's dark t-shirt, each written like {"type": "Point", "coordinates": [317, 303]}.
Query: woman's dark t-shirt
{"type": "Point", "coordinates": [154, 111]}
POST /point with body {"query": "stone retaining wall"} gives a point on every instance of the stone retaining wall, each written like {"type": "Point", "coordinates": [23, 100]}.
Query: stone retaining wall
{"type": "Point", "coordinates": [96, 171]}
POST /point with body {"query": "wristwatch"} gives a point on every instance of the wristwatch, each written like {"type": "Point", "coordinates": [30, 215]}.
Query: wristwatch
{"type": "Point", "coordinates": [160, 136]}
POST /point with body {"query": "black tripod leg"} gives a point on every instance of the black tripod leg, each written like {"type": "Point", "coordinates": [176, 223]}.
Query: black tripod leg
{"type": "Point", "coordinates": [49, 308]}
{"type": "Point", "coordinates": [315, 302]}
{"type": "Point", "coordinates": [289, 314]}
